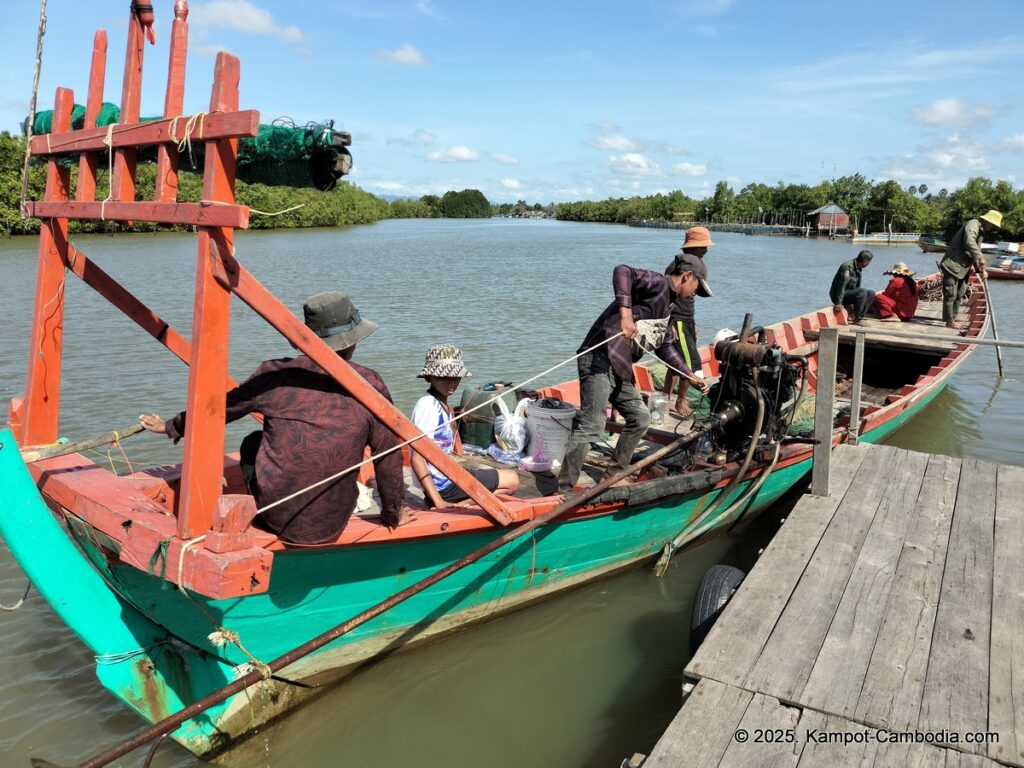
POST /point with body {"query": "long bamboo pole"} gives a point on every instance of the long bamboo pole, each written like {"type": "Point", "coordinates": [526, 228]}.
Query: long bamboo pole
{"type": "Point", "coordinates": [58, 449]}
{"type": "Point", "coordinates": [995, 330]}
{"type": "Point", "coordinates": [216, 697]}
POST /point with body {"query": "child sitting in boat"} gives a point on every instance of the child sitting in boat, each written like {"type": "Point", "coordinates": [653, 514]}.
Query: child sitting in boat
{"type": "Point", "coordinates": [444, 371]}
{"type": "Point", "coordinates": [899, 299]}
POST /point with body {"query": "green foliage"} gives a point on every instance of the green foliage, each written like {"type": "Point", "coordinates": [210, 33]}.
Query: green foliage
{"type": "Point", "coordinates": [875, 206]}
{"type": "Point", "coordinates": [344, 205]}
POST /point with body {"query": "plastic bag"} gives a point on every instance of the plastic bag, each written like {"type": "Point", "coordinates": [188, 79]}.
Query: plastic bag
{"type": "Point", "coordinates": [510, 428]}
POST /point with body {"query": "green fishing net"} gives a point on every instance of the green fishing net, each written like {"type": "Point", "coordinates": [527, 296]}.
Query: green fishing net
{"type": "Point", "coordinates": [281, 154]}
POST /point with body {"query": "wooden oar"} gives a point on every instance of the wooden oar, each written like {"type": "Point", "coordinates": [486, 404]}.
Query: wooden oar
{"type": "Point", "coordinates": [57, 449]}
{"type": "Point", "coordinates": [992, 315]}
{"type": "Point", "coordinates": [169, 724]}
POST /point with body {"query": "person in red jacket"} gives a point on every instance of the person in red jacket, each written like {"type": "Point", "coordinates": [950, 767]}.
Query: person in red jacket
{"type": "Point", "coordinates": [899, 299]}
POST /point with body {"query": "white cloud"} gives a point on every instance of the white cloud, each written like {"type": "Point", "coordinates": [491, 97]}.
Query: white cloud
{"type": "Point", "coordinates": [457, 154]}
{"type": "Point", "coordinates": [427, 9]}
{"type": "Point", "coordinates": [1014, 143]}
{"type": "Point", "coordinates": [242, 16]}
{"type": "Point", "coordinates": [690, 169]}
{"type": "Point", "coordinates": [418, 137]}
{"type": "Point", "coordinates": [959, 113]}
{"type": "Point", "coordinates": [612, 143]}
{"type": "Point", "coordinates": [407, 56]}
{"type": "Point", "coordinates": [948, 163]}
{"type": "Point", "coordinates": [706, 7]}
{"type": "Point", "coordinates": [498, 157]}
{"type": "Point", "coordinates": [633, 164]}
{"type": "Point", "coordinates": [388, 186]}
{"type": "Point", "coordinates": [511, 184]}
{"type": "Point", "coordinates": [869, 68]}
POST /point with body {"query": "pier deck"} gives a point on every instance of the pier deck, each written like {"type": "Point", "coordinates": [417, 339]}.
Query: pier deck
{"type": "Point", "coordinates": [882, 626]}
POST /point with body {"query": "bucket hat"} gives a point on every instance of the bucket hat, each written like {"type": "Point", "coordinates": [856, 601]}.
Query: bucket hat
{"type": "Point", "coordinates": [993, 217]}
{"type": "Point", "coordinates": [901, 268]}
{"type": "Point", "coordinates": [697, 237]}
{"type": "Point", "coordinates": [445, 362]}
{"type": "Point", "coordinates": [695, 264]}
{"type": "Point", "coordinates": [333, 317]}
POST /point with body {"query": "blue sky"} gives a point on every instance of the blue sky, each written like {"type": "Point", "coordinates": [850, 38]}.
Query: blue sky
{"type": "Point", "coordinates": [568, 101]}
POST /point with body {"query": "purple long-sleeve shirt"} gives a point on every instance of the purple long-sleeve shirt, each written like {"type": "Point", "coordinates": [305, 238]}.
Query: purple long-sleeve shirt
{"type": "Point", "coordinates": [312, 429]}
{"type": "Point", "coordinates": [650, 295]}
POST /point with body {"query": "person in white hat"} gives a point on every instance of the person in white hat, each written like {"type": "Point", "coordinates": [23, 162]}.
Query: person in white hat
{"type": "Point", "coordinates": [962, 255]}
{"type": "Point", "coordinates": [444, 371]}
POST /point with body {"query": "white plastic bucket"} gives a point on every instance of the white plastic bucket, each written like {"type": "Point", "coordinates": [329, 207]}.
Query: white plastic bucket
{"type": "Point", "coordinates": [553, 424]}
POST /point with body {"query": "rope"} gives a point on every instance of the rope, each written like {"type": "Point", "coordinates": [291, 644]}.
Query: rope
{"type": "Point", "coordinates": [450, 421]}
{"type": "Point", "coordinates": [221, 635]}
{"type": "Point", "coordinates": [116, 658]}
{"type": "Point", "coordinates": [254, 210]}
{"type": "Point", "coordinates": [18, 604]}
{"type": "Point", "coordinates": [32, 105]}
{"type": "Point", "coordinates": [190, 124]}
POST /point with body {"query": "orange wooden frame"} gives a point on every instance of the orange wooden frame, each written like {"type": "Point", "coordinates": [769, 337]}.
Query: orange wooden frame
{"type": "Point", "coordinates": [218, 274]}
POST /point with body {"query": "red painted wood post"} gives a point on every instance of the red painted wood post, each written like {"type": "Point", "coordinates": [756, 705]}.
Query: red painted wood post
{"type": "Point", "coordinates": [167, 154]}
{"type": "Point", "coordinates": [203, 455]}
{"type": "Point", "coordinates": [89, 161]}
{"type": "Point", "coordinates": [40, 410]}
{"type": "Point", "coordinates": [123, 178]}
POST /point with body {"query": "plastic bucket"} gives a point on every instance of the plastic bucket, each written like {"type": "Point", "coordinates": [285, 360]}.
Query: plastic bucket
{"type": "Point", "coordinates": [550, 419]}
{"type": "Point", "coordinates": [477, 428]}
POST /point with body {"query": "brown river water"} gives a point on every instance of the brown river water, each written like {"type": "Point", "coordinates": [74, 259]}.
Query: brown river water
{"type": "Point", "coordinates": [585, 679]}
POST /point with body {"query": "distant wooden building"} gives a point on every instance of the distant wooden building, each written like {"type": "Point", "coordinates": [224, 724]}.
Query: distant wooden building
{"type": "Point", "coordinates": [829, 218]}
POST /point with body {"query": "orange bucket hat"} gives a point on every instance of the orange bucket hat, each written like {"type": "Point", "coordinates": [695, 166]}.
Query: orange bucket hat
{"type": "Point", "coordinates": [697, 237]}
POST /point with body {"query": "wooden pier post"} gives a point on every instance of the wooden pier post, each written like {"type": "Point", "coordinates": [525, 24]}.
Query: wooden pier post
{"type": "Point", "coordinates": [858, 376]}
{"type": "Point", "coordinates": [824, 400]}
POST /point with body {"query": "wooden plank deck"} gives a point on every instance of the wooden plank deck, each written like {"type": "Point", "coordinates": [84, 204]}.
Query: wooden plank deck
{"type": "Point", "coordinates": [928, 319]}
{"type": "Point", "coordinates": [884, 625]}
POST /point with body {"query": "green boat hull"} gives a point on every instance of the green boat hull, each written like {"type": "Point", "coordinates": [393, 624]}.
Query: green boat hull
{"type": "Point", "coordinates": [153, 644]}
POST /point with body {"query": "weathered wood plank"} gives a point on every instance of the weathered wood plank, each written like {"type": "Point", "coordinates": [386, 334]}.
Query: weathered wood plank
{"type": "Point", "coordinates": [734, 643]}
{"type": "Point", "coordinates": [820, 735]}
{"type": "Point", "coordinates": [689, 740]}
{"type": "Point", "coordinates": [838, 674]}
{"type": "Point", "coordinates": [785, 662]}
{"type": "Point", "coordinates": [1006, 665]}
{"type": "Point", "coordinates": [765, 718]}
{"type": "Point", "coordinates": [956, 686]}
{"type": "Point", "coordinates": [215, 125]}
{"type": "Point", "coordinates": [894, 683]}
{"type": "Point", "coordinates": [196, 214]}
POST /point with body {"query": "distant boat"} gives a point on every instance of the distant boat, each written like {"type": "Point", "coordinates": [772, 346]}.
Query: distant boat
{"type": "Point", "coordinates": [932, 244]}
{"type": "Point", "coordinates": [888, 238]}
{"type": "Point", "coordinates": [1008, 267]}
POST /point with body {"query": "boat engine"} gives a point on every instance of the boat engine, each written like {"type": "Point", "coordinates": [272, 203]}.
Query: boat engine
{"type": "Point", "coordinates": [749, 373]}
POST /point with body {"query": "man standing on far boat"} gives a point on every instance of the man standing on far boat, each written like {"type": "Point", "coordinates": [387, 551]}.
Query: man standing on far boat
{"type": "Point", "coordinates": [962, 254]}
{"type": "Point", "coordinates": [697, 242]}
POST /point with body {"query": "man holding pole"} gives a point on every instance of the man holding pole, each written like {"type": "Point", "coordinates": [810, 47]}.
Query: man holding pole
{"type": "Point", "coordinates": [962, 254]}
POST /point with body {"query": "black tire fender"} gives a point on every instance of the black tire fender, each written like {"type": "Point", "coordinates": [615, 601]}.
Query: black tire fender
{"type": "Point", "coordinates": [717, 586]}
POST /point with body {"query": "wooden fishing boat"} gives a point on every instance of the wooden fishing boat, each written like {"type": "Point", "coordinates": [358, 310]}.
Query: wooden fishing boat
{"type": "Point", "coordinates": [1008, 267]}
{"type": "Point", "coordinates": [887, 238]}
{"type": "Point", "coordinates": [184, 602]}
{"type": "Point", "coordinates": [931, 244]}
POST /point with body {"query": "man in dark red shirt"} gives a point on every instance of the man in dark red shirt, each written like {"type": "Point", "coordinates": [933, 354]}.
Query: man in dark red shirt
{"type": "Point", "coordinates": [312, 429]}
{"type": "Point", "coordinates": [606, 373]}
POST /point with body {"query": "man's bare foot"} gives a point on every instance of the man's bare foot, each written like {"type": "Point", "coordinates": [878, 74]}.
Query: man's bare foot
{"type": "Point", "coordinates": [405, 516]}
{"type": "Point", "coordinates": [682, 409]}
